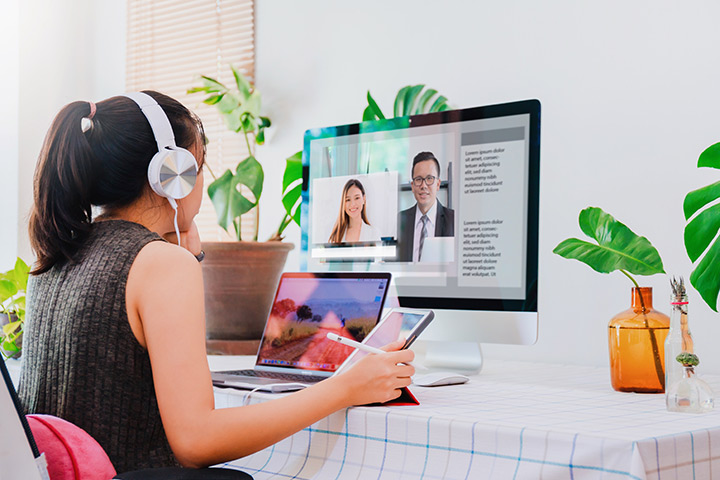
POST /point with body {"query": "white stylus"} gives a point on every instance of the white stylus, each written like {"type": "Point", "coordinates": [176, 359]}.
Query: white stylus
{"type": "Point", "coordinates": [364, 348]}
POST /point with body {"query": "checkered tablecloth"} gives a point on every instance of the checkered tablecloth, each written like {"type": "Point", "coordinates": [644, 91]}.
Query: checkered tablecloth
{"type": "Point", "coordinates": [514, 420]}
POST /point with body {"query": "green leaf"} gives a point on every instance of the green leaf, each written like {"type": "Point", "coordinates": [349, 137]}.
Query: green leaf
{"type": "Point", "coordinates": [9, 346]}
{"type": "Point", "coordinates": [264, 122]}
{"type": "Point", "coordinates": [260, 137]}
{"type": "Point", "coordinates": [439, 105]}
{"type": "Point", "coordinates": [292, 186]}
{"type": "Point", "coordinates": [373, 110]}
{"type": "Point", "coordinates": [706, 276]}
{"type": "Point", "coordinates": [243, 85]}
{"type": "Point", "coordinates": [229, 203]}
{"type": "Point", "coordinates": [398, 107]}
{"type": "Point", "coordinates": [710, 157]}
{"type": "Point", "coordinates": [618, 247]}
{"type": "Point", "coordinates": [701, 231]}
{"type": "Point", "coordinates": [7, 290]}
{"type": "Point", "coordinates": [22, 269]}
{"type": "Point", "coordinates": [232, 121]}
{"type": "Point", "coordinates": [368, 115]}
{"type": "Point", "coordinates": [697, 199]}
{"type": "Point", "coordinates": [10, 328]}
{"type": "Point", "coordinates": [228, 104]}
{"type": "Point", "coordinates": [214, 99]}
{"type": "Point", "coordinates": [423, 101]}
{"type": "Point", "coordinates": [252, 104]}
{"type": "Point", "coordinates": [410, 97]}
{"type": "Point", "coordinates": [250, 173]}
{"type": "Point", "coordinates": [211, 85]}
{"type": "Point", "coordinates": [197, 89]}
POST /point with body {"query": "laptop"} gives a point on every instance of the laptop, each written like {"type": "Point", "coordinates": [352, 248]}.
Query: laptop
{"type": "Point", "coordinates": [295, 351]}
{"type": "Point", "coordinates": [19, 455]}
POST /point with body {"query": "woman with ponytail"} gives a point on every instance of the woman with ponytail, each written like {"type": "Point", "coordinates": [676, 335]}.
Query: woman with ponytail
{"type": "Point", "coordinates": [115, 304]}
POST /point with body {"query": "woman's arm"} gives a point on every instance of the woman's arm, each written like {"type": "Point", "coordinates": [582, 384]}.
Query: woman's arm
{"type": "Point", "coordinates": [166, 308]}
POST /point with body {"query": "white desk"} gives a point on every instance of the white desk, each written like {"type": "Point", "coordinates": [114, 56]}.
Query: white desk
{"type": "Point", "coordinates": [514, 420]}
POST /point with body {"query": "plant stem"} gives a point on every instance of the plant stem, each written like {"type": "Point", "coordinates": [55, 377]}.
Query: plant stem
{"type": "Point", "coordinates": [257, 200]}
{"type": "Point", "coordinates": [632, 280]}
{"type": "Point", "coordinates": [653, 341]}
{"type": "Point", "coordinates": [207, 165]}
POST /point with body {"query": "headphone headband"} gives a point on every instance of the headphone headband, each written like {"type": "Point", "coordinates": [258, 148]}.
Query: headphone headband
{"type": "Point", "coordinates": [156, 117]}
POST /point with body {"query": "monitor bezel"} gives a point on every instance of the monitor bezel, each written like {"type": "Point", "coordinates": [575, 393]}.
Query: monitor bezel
{"type": "Point", "coordinates": [530, 107]}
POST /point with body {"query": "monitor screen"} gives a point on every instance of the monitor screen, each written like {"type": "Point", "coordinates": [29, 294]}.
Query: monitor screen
{"type": "Point", "coordinates": [447, 202]}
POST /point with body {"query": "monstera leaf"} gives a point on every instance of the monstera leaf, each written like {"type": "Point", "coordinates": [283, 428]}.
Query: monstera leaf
{"type": "Point", "coordinates": [703, 216]}
{"type": "Point", "coordinates": [227, 195]}
{"type": "Point", "coordinates": [292, 186]}
{"type": "Point", "coordinates": [617, 248]}
{"type": "Point", "coordinates": [408, 101]}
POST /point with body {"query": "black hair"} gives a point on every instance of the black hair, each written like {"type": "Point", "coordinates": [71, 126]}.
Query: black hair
{"type": "Point", "coordinates": [104, 166]}
{"type": "Point", "coordinates": [422, 157]}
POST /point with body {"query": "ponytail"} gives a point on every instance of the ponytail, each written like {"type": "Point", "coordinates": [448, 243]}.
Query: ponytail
{"type": "Point", "coordinates": [62, 212]}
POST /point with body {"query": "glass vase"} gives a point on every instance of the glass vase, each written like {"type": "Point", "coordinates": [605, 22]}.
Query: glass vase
{"type": "Point", "coordinates": [679, 338]}
{"type": "Point", "coordinates": [636, 339]}
{"type": "Point", "coordinates": [689, 394]}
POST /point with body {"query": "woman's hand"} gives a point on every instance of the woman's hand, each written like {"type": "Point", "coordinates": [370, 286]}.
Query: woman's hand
{"type": "Point", "coordinates": [189, 240]}
{"type": "Point", "coordinates": [379, 378]}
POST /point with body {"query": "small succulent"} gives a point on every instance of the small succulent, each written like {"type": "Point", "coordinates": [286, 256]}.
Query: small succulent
{"type": "Point", "coordinates": [688, 359]}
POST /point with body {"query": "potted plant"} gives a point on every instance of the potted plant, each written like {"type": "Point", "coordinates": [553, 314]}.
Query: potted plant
{"type": "Point", "coordinates": [636, 336]}
{"type": "Point", "coordinates": [13, 285]}
{"type": "Point", "coordinates": [228, 285]}
{"type": "Point", "coordinates": [241, 277]}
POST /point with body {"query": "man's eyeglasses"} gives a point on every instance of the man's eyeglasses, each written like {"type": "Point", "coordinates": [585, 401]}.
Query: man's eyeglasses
{"type": "Point", "coordinates": [429, 180]}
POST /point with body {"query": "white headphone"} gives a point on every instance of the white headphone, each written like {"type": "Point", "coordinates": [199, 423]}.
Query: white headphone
{"type": "Point", "coordinates": [173, 170]}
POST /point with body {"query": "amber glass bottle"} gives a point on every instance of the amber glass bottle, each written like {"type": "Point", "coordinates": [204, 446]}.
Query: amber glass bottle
{"type": "Point", "coordinates": [637, 346]}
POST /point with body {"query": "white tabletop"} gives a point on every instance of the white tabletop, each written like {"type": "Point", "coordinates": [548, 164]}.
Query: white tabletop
{"type": "Point", "coordinates": [514, 420]}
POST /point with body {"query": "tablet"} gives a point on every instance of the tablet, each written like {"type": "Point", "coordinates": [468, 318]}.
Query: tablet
{"type": "Point", "coordinates": [399, 323]}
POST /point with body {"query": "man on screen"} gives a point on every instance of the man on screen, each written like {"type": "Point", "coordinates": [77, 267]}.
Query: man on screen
{"type": "Point", "coordinates": [428, 217]}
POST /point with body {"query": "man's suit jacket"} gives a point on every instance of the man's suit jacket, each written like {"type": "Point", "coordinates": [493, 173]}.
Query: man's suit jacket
{"type": "Point", "coordinates": [444, 227]}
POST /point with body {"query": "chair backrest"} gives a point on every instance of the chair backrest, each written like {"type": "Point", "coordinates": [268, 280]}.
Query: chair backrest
{"type": "Point", "coordinates": [18, 452]}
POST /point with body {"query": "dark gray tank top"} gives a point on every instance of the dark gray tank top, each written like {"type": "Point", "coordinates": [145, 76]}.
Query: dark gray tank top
{"type": "Point", "coordinates": [81, 361]}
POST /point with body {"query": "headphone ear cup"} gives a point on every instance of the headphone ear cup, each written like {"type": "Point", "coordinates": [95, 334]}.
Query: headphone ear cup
{"type": "Point", "coordinates": [172, 173]}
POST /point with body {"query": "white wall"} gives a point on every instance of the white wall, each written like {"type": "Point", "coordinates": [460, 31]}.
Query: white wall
{"type": "Point", "coordinates": [630, 96]}
{"type": "Point", "coordinates": [71, 50]}
{"type": "Point", "coordinates": [9, 86]}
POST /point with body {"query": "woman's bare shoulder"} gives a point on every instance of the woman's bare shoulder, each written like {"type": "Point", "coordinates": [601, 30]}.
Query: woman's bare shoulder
{"type": "Point", "coordinates": [165, 260]}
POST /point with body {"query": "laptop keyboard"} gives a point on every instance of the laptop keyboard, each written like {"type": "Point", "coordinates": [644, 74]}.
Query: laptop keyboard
{"type": "Point", "coordinates": [292, 377]}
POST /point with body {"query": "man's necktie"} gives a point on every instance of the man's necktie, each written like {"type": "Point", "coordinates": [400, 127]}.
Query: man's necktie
{"type": "Point", "coordinates": [423, 234]}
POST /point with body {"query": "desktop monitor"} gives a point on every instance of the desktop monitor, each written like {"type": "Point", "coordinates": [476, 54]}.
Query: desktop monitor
{"type": "Point", "coordinates": [448, 203]}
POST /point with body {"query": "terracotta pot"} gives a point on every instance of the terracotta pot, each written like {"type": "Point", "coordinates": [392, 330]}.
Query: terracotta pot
{"type": "Point", "coordinates": [4, 320]}
{"type": "Point", "coordinates": [240, 281]}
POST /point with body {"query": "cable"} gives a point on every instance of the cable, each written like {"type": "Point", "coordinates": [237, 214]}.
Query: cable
{"type": "Point", "coordinates": [246, 399]}
{"type": "Point", "coordinates": [174, 205]}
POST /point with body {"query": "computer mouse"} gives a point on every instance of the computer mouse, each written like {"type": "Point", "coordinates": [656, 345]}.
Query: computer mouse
{"type": "Point", "coordinates": [436, 379]}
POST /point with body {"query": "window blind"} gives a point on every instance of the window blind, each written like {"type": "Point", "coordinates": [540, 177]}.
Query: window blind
{"type": "Point", "coordinates": [170, 44]}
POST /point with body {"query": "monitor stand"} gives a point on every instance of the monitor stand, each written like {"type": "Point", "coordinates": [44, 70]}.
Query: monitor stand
{"type": "Point", "coordinates": [463, 357]}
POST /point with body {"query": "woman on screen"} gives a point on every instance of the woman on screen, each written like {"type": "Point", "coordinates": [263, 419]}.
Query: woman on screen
{"type": "Point", "coordinates": [352, 224]}
{"type": "Point", "coordinates": [116, 300]}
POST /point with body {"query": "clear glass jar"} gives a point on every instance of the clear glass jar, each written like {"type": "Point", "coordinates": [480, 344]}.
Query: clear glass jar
{"type": "Point", "coordinates": [679, 339]}
{"type": "Point", "coordinates": [636, 339]}
{"type": "Point", "coordinates": [690, 394]}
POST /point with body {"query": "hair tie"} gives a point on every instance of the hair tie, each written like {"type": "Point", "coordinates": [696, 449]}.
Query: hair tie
{"type": "Point", "coordinates": [86, 122]}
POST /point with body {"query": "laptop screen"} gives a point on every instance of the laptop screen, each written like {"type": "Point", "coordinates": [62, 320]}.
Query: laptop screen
{"type": "Point", "coordinates": [308, 306]}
